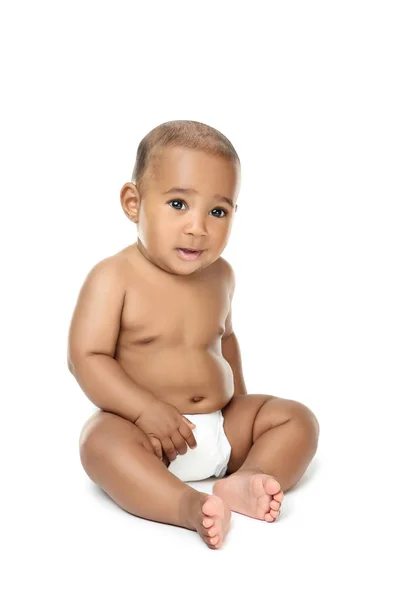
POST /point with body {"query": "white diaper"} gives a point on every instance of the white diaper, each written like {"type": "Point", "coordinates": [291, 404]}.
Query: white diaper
{"type": "Point", "coordinates": [211, 456]}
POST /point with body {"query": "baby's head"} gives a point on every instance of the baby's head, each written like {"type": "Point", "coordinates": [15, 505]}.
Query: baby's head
{"type": "Point", "coordinates": [183, 194]}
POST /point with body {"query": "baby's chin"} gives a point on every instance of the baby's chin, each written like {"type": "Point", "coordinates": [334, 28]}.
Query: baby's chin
{"type": "Point", "coordinates": [193, 264]}
{"type": "Point", "coordinates": [174, 263]}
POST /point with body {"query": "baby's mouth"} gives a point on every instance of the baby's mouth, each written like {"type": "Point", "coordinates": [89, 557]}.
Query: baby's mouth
{"type": "Point", "coordinates": [188, 254]}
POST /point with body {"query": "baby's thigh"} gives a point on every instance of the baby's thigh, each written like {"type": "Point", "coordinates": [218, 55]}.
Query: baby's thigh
{"type": "Point", "coordinates": [239, 417]}
{"type": "Point", "coordinates": [106, 434]}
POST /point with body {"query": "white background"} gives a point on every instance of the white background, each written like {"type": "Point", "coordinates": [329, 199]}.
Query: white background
{"type": "Point", "coordinates": [308, 93]}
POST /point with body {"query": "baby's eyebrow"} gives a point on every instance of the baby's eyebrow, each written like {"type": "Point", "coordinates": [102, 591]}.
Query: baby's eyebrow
{"type": "Point", "coordinates": [178, 190]}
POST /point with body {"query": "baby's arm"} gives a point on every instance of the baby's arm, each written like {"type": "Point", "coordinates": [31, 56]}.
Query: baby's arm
{"type": "Point", "coordinates": [92, 338]}
{"type": "Point", "coordinates": [229, 342]}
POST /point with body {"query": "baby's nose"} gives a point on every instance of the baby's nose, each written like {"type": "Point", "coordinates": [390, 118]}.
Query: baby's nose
{"type": "Point", "coordinates": [196, 226]}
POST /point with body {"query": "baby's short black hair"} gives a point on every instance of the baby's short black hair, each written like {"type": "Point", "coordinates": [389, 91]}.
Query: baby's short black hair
{"type": "Point", "coordinates": [183, 134]}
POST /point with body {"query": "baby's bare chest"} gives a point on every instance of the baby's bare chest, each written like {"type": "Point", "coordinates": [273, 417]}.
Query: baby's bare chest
{"type": "Point", "coordinates": [187, 315]}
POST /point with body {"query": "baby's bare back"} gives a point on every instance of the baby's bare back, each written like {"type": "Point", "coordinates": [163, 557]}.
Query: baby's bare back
{"type": "Point", "coordinates": [170, 334]}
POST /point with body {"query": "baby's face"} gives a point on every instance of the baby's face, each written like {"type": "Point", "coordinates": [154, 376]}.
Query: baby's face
{"type": "Point", "coordinates": [200, 218]}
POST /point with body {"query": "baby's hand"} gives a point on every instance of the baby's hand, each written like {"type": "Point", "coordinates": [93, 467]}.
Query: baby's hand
{"type": "Point", "coordinates": [167, 429]}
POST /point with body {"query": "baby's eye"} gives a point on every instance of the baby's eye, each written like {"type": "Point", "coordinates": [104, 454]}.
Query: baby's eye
{"type": "Point", "coordinates": [223, 210]}
{"type": "Point", "coordinates": [178, 201]}
{"type": "Point", "coordinates": [182, 202]}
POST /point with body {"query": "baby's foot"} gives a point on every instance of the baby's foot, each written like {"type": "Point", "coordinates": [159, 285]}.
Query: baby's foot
{"type": "Point", "coordinates": [210, 516]}
{"type": "Point", "coordinates": [250, 493]}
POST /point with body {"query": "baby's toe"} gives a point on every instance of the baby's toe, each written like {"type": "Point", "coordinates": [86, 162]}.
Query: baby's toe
{"type": "Point", "coordinates": [214, 540]}
{"type": "Point", "coordinates": [269, 518]}
{"type": "Point", "coordinates": [271, 486]}
{"type": "Point", "coordinates": [275, 505]}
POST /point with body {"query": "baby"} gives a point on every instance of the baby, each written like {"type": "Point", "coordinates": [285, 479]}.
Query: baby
{"type": "Point", "coordinates": [151, 344]}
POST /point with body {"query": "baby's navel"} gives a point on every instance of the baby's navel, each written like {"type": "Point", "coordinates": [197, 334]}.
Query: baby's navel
{"type": "Point", "coordinates": [197, 398]}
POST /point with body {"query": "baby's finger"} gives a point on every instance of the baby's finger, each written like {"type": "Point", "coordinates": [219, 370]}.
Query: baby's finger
{"type": "Point", "coordinates": [187, 433]}
{"type": "Point", "coordinates": [155, 442]}
{"type": "Point", "coordinates": [169, 448]}
{"type": "Point", "coordinates": [192, 425]}
{"type": "Point", "coordinates": [179, 442]}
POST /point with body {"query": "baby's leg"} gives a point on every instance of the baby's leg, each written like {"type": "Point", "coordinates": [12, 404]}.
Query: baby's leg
{"type": "Point", "coordinates": [119, 457]}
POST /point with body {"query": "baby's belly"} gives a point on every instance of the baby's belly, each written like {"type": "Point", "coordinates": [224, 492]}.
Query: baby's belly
{"type": "Point", "coordinates": [193, 380]}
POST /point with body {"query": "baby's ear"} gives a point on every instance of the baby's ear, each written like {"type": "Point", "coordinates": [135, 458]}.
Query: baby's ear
{"type": "Point", "coordinates": [130, 200]}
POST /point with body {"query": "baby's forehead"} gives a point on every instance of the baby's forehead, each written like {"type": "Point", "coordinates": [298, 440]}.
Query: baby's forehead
{"type": "Point", "coordinates": [193, 170]}
{"type": "Point", "coordinates": [170, 162]}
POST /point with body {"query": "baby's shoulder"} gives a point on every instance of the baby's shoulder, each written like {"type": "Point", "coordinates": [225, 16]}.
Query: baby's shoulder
{"type": "Point", "coordinates": [225, 265]}
{"type": "Point", "coordinates": [107, 271]}
{"type": "Point", "coordinates": [226, 271]}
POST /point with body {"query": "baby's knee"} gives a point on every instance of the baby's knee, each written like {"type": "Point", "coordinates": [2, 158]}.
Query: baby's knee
{"type": "Point", "coordinates": [313, 420]}
{"type": "Point", "coordinates": [105, 433]}
{"type": "Point", "coordinates": [311, 424]}
{"type": "Point", "coordinates": [306, 419]}
{"type": "Point", "coordinates": [92, 437]}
